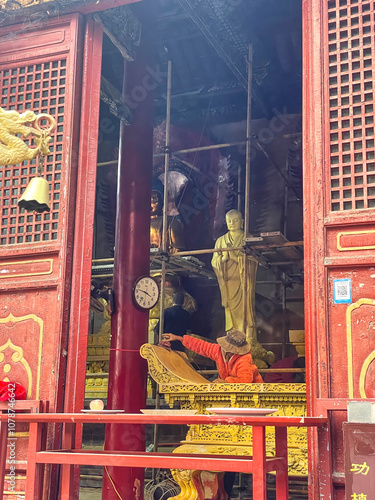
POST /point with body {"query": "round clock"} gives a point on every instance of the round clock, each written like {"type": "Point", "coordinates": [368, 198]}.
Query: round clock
{"type": "Point", "coordinates": [146, 292]}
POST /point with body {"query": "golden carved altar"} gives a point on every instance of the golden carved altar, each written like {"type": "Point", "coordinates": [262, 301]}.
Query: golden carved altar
{"type": "Point", "coordinates": [97, 367]}
{"type": "Point", "coordinates": [180, 384]}
{"type": "Point", "coordinates": [98, 347]}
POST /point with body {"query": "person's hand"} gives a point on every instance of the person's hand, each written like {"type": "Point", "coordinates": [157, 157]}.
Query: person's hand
{"type": "Point", "coordinates": [219, 381]}
{"type": "Point", "coordinates": [165, 343]}
{"type": "Point", "coordinates": [170, 336]}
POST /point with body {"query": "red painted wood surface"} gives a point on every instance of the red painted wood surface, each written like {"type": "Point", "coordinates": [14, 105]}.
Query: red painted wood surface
{"type": "Point", "coordinates": [129, 327]}
{"type": "Point", "coordinates": [40, 70]}
{"type": "Point", "coordinates": [139, 418]}
{"type": "Point", "coordinates": [339, 217]}
{"type": "Point", "coordinates": [18, 16]}
{"type": "Point", "coordinates": [359, 441]}
{"type": "Point", "coordinates": [84, 225]}
{"type": "Point", "coordinates": [84, 217]}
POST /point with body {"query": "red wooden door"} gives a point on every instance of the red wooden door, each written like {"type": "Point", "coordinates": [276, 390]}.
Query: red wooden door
{"type": "Point", "coordinates": [339, 195]}
{"type": "Point", "coordinates": [43, 305]}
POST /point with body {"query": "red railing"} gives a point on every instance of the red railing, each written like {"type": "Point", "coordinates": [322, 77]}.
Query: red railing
{"type": "Point", "coordinates": [258, 465]}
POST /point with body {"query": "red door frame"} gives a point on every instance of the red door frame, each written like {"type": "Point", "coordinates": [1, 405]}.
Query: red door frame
{"type": "Point", "coordinates": [75, 376]}
{"type": "Point", "coordinates": [45, 59]}
{"type": "Point", "coordinates": [330, 378]}
{"type": "Point", "coordinates": [84, 218]}
{"type": "Point", "coordinates": [313, 195]}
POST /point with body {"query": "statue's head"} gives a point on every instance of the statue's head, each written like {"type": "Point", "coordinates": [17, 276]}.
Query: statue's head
{"type": "Point", "coordinates": [234, 220]}
{"type": "Point", "coordinates": [157, 198]}
{"type": "Point", "coordinates": [156, 203]}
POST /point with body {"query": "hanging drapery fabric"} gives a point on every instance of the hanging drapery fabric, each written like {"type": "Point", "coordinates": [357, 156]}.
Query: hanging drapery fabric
{"type": "Point", "coordinates": [11, 390]}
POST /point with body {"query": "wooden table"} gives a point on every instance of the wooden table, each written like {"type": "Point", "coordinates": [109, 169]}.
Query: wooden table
{"type": "Point", "coordinates": [258, 465]}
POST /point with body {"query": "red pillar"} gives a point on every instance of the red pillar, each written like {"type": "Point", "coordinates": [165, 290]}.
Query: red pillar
{"type": "Point", "coordinates": [127, 370]}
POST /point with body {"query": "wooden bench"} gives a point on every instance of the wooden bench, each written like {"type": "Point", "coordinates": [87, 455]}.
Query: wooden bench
{"type": "Point", "coordinates": [258, 465]}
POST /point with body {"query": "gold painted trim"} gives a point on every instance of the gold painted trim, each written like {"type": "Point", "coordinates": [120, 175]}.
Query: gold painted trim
{"type": "Point", "coordinates": [345, 233]}
{"type": "Point", "coordinates": [349, 342]}
{"type": "Point", "coordinates": [40, 322]}
{"type": "Point", "coordinates": [27, 274]}
{"type": "Point", "coordinates": [18, 357]}
{"type": "Point", "coordinates": [362, 377]}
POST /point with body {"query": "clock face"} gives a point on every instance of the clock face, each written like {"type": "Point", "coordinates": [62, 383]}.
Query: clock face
{"type": "Point", "coordinates": [146, 292]}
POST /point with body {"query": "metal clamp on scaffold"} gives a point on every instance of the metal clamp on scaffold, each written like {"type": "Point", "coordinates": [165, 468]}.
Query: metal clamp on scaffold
{"type": "Point", "coordinates": [160, 254]}
{"type": "Point", "coordinates": [246, 249]}
{"type": "Point", "coordinates": [253, 240]}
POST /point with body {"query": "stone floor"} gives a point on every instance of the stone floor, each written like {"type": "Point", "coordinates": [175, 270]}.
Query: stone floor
{"type": "Point", "coordinates": [90, 494]}
{"type": "Point", "coordinates": [95, 494]}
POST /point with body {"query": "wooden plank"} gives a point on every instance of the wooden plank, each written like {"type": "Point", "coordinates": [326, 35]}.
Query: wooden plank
{"type": "Point", "coordinates": [274, 238]}
{"type": "Point", "coordinates": [243, 464]}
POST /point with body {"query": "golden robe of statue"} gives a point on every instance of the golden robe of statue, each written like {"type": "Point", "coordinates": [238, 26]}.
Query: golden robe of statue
{"type": "Point", "coordinates": [175, 230]}
{"type": "Point", "coordinates": [229, 268]}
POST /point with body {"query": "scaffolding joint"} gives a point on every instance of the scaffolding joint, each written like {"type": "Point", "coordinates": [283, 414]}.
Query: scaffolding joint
{"type": "Point", "coordinates": [159, 254]}
{"type": "Point", "coordinates": [247, 250]}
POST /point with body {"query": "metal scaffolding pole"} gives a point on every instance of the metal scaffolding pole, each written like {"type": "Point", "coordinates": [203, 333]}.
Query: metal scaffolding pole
{"type": "Point", "coordinates": [248, 139]}
{"type": "Point", "coordinates": [239, 188]}
{"type": "Point", "coordinates": [200, 149]}
{"type": "Point", "coordinates": [167, 153]}
{"type": "Point", "coordinates": [204, 148]}
{"type": "Point", "coordinates": [286, 206]}
{"type": "Point", "coordinates": [164, 243]}
{"type": "Point", "coordinates": [247, 181]}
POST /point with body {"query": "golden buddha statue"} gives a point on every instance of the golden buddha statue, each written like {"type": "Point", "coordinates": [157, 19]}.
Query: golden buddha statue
{"type": "Point", "coordinates": [229, 268]}
{"type": "Point", "coordinates": [175, 233]}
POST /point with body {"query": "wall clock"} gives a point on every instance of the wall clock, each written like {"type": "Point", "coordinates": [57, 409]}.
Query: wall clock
{"type": "Point", "coordinates": [145, 292]}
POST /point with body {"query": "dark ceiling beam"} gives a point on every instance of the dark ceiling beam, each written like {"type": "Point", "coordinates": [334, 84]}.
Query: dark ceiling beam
{"type": "Point", "coordinates": [214, 115]}
{"type": "Point", "coordinates": [123, 29]}
{"type": "Point", "coordinates": [113, 97]}
{"type": "Point", "coordinates": [204, 92]}
{"type": "Point", "coordinates": [230, 54]}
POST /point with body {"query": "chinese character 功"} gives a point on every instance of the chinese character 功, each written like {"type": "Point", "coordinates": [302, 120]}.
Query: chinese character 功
{"type": "Point", "coordinates": [359, 496]}
{"type": "Point", "coordinates": [360, 469]}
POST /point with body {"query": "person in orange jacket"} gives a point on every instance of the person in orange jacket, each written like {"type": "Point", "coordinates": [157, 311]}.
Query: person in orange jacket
{"type": "Point", "coordinates": [231, 355]}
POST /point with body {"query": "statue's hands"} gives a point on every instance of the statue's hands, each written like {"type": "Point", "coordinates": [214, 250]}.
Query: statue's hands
{"type": "Point", "coordinates": [225, 257]}
{"type": "Point", "coordinates": [170, 336]}
{"type": "Point", "coordinates": [219, 381]}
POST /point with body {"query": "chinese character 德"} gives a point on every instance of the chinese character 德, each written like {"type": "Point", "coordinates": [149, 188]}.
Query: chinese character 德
{"type": "Point", "coordinates": [358, 496]}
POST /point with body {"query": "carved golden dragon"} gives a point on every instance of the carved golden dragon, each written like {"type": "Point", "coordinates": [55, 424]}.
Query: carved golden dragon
{"type": "Point", "coordinates": [14, 149]}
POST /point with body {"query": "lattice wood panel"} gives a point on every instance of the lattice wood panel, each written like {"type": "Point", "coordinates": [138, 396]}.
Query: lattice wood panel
{"type": "Point", "coordinates": [40, 88]}
{"type": "Point", "coordinates": [351, 104]}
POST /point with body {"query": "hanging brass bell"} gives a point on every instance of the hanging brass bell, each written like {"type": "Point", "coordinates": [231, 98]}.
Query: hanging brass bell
{"type": "Point", "coordinates": [36, 196]}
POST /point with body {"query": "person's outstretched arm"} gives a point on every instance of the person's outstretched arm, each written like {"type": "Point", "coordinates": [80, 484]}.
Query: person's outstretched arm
{"type": "Point", "coordinates": [199, 346]}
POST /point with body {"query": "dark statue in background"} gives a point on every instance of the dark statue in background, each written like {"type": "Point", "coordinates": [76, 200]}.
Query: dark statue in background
{"type": "Point", "coordinates": [175, 231]}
